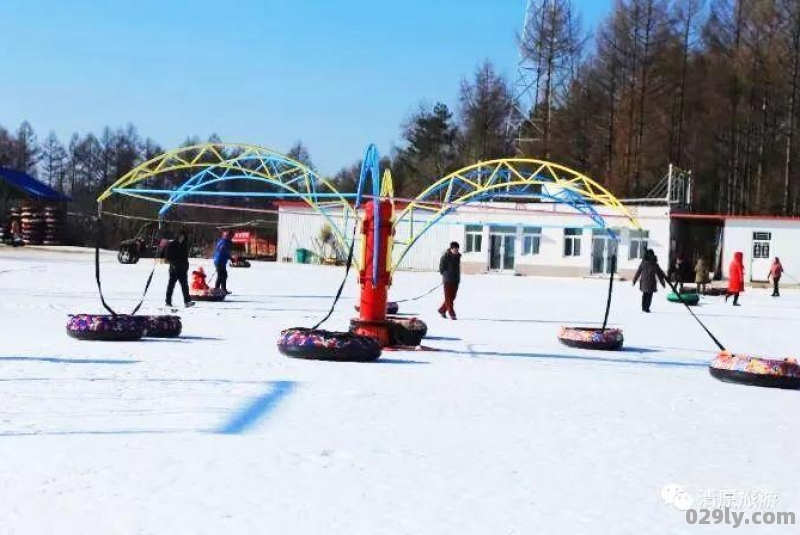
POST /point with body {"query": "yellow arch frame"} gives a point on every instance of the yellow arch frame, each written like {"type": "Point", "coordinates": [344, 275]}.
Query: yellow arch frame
{"type": "Point", "coordinates": [250, 161]}
{"type": "Point", "coordinates": [502, 176]}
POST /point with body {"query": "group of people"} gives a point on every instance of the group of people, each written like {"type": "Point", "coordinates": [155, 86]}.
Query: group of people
{"type": "Point", "coordinates": [650, 273]}
{"type": "Point", "coordinates": [177, 255]}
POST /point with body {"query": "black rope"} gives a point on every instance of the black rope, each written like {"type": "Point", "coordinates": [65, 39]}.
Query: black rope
{"type": "Point", "coordinates": [680, 298]}
{"type": "Point", "coordinates": [421, 296]}
{"type": "Point", "coordinates": [97, 274]}
{"type": "Point", "coordinates": [97, 277]}
{"type": "Point", "coordinates": [146, 287]}
{"type": "Point", "coordinates": [613, 261]}
{"type": "Point", "coordinates": [344, 280]}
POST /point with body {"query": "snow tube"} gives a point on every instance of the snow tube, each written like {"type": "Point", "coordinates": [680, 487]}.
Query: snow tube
{"type": "Point", "coordinates": [120, 328]}
{"type": "Point", "coordinates": [211, 294]}
{"type": "Point", "coordinates": [755, 371]}
{"type": "Point", "coordinates": [407, 331]}
{"type": "Point", "coordinates": [691, 298]}
{"type": "Point", "coordinates": [591, 338]}
{"type": "Point", "coordinates": [316, 344]}
{"type": "Point", "coordinates": [240, 263]}
{"type": "Point", "coordinates": [715, 291]}
{"type": "Point", "coordinates": [391, 308]}
{"type": "Point", "coordinates": [161, 326]}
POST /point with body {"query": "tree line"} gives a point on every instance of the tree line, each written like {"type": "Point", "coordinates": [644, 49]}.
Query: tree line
{"type": "Point", "coordinates": [711, 87]}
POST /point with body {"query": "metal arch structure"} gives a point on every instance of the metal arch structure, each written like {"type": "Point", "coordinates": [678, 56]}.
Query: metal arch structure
{"type": "Point", "coordinates": [212, 165]}
{"type": "Point", "coordinates": [506, 179]}
{"type": "Point", "coordinates": [371, 175]}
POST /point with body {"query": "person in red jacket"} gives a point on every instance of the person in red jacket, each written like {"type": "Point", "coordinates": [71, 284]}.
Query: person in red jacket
{"type": "Point", "coordinates": [736, 278]}
{"type": "Point", "coordinates": [776, 272]}
{"type": "Point", "coordinates": [199, 280]}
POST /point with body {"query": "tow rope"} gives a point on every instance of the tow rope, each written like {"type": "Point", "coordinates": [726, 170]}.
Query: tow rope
{"type": "Point", "coordinates": [97, 274]}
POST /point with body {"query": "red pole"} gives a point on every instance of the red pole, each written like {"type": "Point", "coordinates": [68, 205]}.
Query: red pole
{"type": "Point", "coordinates": [375, 285]}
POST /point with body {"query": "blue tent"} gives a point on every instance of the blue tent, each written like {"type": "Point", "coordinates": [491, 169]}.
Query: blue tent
{"type": "Point", "coordinates": [30, 186]}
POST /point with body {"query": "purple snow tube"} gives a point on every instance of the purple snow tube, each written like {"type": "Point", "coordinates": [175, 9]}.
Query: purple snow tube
{"type": "Point", "coordinates": [102, 327]}
{"type": "Point", "coordinates": [317, 344]}
{"type": "Point", "coordinates": [161, 326]}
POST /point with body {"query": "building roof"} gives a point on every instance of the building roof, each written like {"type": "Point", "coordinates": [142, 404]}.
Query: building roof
{"type": "Point", "coordinates": [30, 186]}
{"type": "Point", "coordinates": [722, 217]}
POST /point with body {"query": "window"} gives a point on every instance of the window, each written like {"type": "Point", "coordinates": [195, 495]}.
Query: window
{"type": "Point", "coordinates": [761, 250]}
{"type": "Point", "coordinates": [639, 239]}
{"type": "Point", "coordinates": [474, 238]}
{"type": "Point", "coordinates": [761, 244]}
{"type": "Point", "coordinates": [531, 240]}
{"type": "Point", "coordinates": [572, 241]}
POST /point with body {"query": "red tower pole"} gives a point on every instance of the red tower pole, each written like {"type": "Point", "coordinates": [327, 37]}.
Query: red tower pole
{"type": "Point", "coordinates": [375, 282]}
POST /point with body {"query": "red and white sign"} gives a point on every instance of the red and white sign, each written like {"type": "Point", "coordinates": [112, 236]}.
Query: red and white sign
{"type": "Point", "coordinates": [241, 237]}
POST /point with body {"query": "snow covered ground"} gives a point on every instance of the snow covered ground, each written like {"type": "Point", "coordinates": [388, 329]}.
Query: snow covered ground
{"type": "Point", "coordinates": [503, 431]}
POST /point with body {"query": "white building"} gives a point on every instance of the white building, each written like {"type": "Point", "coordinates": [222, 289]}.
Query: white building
{"type": "Point", "coordinates": [516, 238]}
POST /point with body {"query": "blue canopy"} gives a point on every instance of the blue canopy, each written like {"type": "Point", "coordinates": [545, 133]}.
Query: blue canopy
{"type": "Point", "coordinates": [30, 186]}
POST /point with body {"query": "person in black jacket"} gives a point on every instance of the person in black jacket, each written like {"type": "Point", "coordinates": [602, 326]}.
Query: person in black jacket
{"type": "Point", "coordinates": [177, 254]}
{"type": "Point", "coordinates": [648, 272]}
{"type": "Point", "coordinates": [450, 268]}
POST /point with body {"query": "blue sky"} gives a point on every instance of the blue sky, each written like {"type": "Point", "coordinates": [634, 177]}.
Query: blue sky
{"type": "Point", "coordinates": [335, 74]}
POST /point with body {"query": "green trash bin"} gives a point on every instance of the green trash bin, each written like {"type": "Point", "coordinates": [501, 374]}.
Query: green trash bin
{"type": "Point", "coordinates": [301, 256]}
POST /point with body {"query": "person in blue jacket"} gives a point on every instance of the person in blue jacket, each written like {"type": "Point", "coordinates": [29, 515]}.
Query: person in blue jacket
{"type": "Point", "coordinates": [222, 255]}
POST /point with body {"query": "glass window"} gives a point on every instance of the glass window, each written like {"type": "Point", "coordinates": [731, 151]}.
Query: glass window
{"type": "Point", "coordinates": [572, 241]}
{"type": "Point", "coordinates": [474, 238]}
{"type": "Point", "coordinates": [531, 240]}
{"type": "Point", "coordinates": [639, 240]}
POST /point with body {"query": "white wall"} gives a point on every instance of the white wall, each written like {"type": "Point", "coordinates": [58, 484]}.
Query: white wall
{"type": "Point", "coordinates": [785, 244]}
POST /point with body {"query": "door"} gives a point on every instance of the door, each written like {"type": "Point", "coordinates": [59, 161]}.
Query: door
{"type": "Point", "coordinates": [502, 248]}
{"type": "Point", "coordinates": [603, 248]}
{"type": "Point", "coordinates": [509, 243]}
{"type": "Point", "coordinates": [598, 255]}
{"type": "Point", "coordinates": [761, 259]}
{"type": "Point", "coordinates": [495, 251]}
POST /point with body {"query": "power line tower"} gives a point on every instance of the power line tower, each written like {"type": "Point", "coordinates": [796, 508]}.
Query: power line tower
{"type": "Point", "coordinates": [526, 84]}
{"type": "Point", "coordinates": [548, 49]}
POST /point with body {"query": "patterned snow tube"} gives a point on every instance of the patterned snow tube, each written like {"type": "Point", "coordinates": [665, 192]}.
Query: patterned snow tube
{"type": "Point", "coordinates": [691, 298]}
{"type": "Point", "coordinates": [120, 328]}
{"type": "Point", "coordinates": [161, 326]}
{"type": "Point", "coordinates": [407, 331]}
{"type": "Point", "coordinates": [592, 338]}
{"type": "Point", "coordinates": [212, 294]}
{"type": "Point", "coordinates": [391, 308]}
{"type": "Point", "coordinates": [755, 371]}
{"type": "Point", "coordinates": [316, 344]}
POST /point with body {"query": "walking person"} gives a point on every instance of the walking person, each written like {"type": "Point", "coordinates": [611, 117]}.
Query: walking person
{"type": "Point", "coordinates": [701, 275]}
{"type": "Point", "coordinates": [678, 272]}
{"type": "Point", "coordinates": [735, 278]}
{"type": "Point", "coordinates": [648, 274]}
{"type": "Point", "coordinates": [776, 272]}
{"type": "Point", "coordinates": [177, 254]}
{"type": "Point", "coordinates": [450, 269]}
{"type": "Point", "coordinates": [222, 255]}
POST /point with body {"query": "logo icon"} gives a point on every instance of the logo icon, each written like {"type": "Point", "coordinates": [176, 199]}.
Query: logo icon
{"type": "Point", "coordinates": [676, 496]}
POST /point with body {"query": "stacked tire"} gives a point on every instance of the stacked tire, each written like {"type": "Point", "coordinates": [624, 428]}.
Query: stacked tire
{"type": "Point", "coordinates": [53, 224]}
{"type": "Point", "coordinates": [32, 224]}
